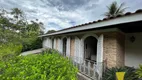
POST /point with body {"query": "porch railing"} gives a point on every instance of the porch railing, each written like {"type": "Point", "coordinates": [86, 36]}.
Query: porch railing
{"type": "Point", "coordinates": [88, 68]}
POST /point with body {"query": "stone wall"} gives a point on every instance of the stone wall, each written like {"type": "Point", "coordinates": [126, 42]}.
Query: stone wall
{"type": "Point", "coordinates": [120, 49]}
{"type": "Point", "coordinates": [114, 46]}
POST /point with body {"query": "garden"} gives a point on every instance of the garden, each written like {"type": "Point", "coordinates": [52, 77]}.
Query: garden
{"type": "Point", "coordinates": [43, 66]}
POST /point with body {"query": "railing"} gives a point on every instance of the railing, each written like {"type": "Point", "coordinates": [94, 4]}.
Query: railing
{"type": "Point", "coordinates": [88, 67]}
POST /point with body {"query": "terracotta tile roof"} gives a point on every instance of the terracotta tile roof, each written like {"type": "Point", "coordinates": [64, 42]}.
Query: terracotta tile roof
{"type": "Point", "coordinates": [109, 18]}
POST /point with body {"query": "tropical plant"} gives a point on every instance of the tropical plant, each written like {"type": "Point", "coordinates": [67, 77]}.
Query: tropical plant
{"type": "Point", "coordinates": [110, 74]}
{"type": "Point", "coordinates": [139, 71]}
{"type": "Point", "coordinates": [38, 67]}
{"type": "Point", "coordinates": [114, 9]}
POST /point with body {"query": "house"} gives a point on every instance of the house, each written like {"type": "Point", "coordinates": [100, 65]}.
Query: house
{"type": "Point", "coordinates": [117, 41]}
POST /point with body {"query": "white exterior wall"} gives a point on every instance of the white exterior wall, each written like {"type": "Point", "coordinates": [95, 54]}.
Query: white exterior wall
{"type": "Point", "coordinates": [44, 43]}
{"type": "Point", "coordinates": [133, 51]}
{"type": "Point", "coordinates": [47, 43]}
{"type": "Point", "coordinates": [50, 43]}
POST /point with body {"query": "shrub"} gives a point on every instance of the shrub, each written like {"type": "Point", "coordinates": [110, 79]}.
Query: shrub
{"type": "Point", "coordinates": [139, 71]}
{"type": "Point", "coordinates": [110, 74]}
{"type": "Point", "coordinates": [39, 67]}
{"type": "Point", "coordinates": [50, 51]}
{"type": "Point", "coordinates": [9, 50]}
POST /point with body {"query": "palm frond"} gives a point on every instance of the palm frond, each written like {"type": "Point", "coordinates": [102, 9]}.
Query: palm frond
{"type": "Point", "coordinates": [121, 9]}
{"type": "Point", "coordinates": [114, 9]}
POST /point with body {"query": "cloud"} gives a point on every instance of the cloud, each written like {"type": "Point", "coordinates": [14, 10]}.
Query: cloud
{"type": "Point", "coordinates": [59, 14]}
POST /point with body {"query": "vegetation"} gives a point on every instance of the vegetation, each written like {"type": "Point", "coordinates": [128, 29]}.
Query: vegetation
{"type": "Point", "coordinates": [50, 31]}
{"type": "Point", "coordinates": [114, 9]}
{"type": "Point", "coordinates": [139, 71]}
{"type": "Point", "coordinates": [50, 51]}
{"type": "Point", "coordinates": [9, 50]}
{"type": "Point", "coordinates": [17, 33]}
{"type": "Point", "coordinates": [38, 67]}
{"type": "Point", "coordinates": [110, 74]}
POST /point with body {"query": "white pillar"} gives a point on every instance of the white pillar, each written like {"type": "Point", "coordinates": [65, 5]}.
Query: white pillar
{"type": "Point", "coordinates": [99, 66]}
{"type": "Point", "coordinates": [68, 47]}
{"type": "Point", "coordinates": [60, 45]}
{"type": "Point", "coordinates": [100, 49]}
{"type": "Point", "coordinates": [81, 51]}
{"type": "Point", "coordinates": [77, 49]}
{"type": "Point", "coordinates": [54, 43]}
{"type": "Point", "coordinates": [57, 48]}
{"type": "Point", "coordinates": [50, 43]}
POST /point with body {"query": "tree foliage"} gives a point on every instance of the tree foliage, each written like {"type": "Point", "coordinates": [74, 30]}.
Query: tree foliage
{"type": "Point", "coordinates": [14, 28]}
{"type": "Point", "coordinates": [114, 9]}
{"type": "Point", "coordinates": [50, 31]}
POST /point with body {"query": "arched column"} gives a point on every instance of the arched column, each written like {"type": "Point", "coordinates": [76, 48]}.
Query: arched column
{"type": "Point", "coordinates": [99, 65]}
{"type": "Point", "coordinates": [82, 43]}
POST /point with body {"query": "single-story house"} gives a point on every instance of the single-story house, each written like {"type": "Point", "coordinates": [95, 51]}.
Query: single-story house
{"type": "Point", "coordinates": [117, 41]}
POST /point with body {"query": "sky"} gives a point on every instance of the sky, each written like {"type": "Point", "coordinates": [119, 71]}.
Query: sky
{"type": "Point", "coordinates": [60, 14]}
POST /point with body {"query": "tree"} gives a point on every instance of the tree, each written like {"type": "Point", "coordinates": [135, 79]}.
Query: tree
{"type": "Point", "coordinates": [114, 9]}
{"type": "Point", "coordinates": [50, 31]}
{"type": "Point", "coordinates": [15, 29]}
{"type": "Point", "coordinates": [17, 13]}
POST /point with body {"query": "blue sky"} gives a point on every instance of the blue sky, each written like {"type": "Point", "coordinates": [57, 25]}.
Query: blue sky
{"type": "Point", "coordinates": [59, 14]}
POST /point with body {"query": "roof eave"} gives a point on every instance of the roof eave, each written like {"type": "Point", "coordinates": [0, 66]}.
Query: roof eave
{"type": "Point", "coordinates": [120, 20]}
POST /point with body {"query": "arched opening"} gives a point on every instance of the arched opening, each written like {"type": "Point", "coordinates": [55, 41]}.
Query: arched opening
{"type": "Point", "coordinates": [52, 43]}
{"type": "Point", "coordinates": [90, 48]}
{"type": "Point", "coordinates": [64, 46]}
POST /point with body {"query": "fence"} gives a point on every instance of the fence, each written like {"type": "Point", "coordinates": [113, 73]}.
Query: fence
{"type": "Point", "coordinates": [88, 68]}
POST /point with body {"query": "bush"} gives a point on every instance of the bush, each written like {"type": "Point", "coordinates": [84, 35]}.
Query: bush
{"type": "Point", "coordinates": [139, 71]}
{"type": "Point", "coordinates": [9, 50]}
{"type": "Point", "coordinates": [31, 44]}
{"type": "Point", "coordinates": [38, 67]}
{"type": "Point", "coordinates": [50, 51]}
{"type": "Point", "coordinates": [110, 74]}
